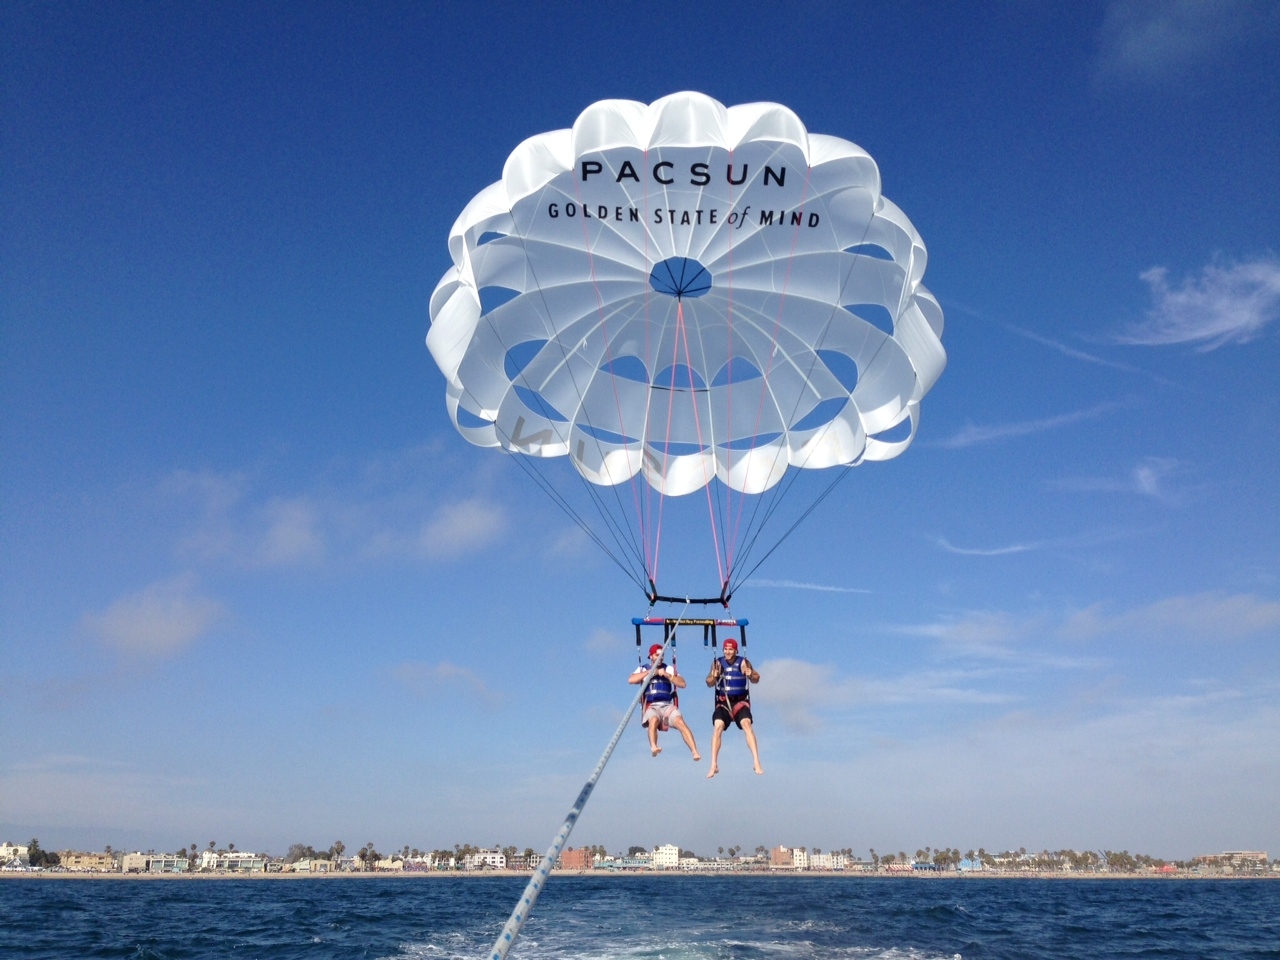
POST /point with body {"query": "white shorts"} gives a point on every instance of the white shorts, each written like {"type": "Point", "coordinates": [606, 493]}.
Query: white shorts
{"type": "Point", "coordinates": [664, 713]}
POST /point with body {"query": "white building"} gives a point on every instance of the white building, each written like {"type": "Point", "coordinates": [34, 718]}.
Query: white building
{"type": "Point", "coordinates": [11, 851]}
{"type": "Point", "coordinates": [827, 861]}
{"type": "Point", "coordinates": [666, 857]}
{"type": "Point", "coordinates": [493, 859]}
{"type": "Point", "coordinates": [799, 858]}
{"type": "Point", "coordinates": [236, 860]}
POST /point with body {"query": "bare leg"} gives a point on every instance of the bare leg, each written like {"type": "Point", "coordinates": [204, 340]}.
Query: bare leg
{"type": "Point", "coordinates": [751, 743]}
{"type": "Point", "coordinates": [716, 732]}
{"type": "Point", "coordinates": [687, 734]}
{"type": "Point", "coordinates": [654, 749]}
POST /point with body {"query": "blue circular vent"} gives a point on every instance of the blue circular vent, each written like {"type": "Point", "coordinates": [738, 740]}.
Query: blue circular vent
{"type": "Point", "coordinates": [680, 277]}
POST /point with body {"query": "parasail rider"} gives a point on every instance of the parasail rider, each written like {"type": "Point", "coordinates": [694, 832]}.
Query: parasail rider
{"type": "Point", "coordinates": [661, 709]}
{"type": "Point", "coordinates": [732, 676]}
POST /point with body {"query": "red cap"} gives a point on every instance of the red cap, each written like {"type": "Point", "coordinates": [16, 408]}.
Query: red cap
{"type": "Point", "coordinates": [730, 642]}
{"type": "Point", "coordinates": [656, 648]}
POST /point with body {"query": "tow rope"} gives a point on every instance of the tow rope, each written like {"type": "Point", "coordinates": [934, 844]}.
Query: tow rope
{"type": "Point", "coordinates": [533, 889]}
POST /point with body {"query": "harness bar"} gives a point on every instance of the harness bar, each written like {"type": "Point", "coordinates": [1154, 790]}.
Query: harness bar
{"type": "Point", "coordinates": [708, 627]}
{"type": "Point", "coordinates": [654, 597]}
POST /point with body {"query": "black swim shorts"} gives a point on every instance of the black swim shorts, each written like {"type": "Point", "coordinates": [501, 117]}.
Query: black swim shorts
{"type": "Point", "coordinates": [734, 710]}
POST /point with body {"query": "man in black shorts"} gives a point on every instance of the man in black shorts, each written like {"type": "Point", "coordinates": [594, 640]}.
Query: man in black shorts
{"type": "Point", "coordinates": [732, 676]}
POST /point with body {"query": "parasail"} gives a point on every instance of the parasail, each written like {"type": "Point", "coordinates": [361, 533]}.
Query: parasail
{"type": "Point", "coordinates": [682, 296]}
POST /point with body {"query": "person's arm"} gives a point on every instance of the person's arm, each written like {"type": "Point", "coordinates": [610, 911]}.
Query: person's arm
{"type": "Point", "coordinates": [750, 671]}
{"type": "Point", "coordinates": [714, 675]}
{"type": "Point", "coordinates": [638, 676]}
{"type": "Point", "coordinates": [676, 678]}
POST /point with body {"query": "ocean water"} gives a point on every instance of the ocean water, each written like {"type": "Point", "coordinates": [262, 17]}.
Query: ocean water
{"type": "Point", "coordinates": [641, 918]}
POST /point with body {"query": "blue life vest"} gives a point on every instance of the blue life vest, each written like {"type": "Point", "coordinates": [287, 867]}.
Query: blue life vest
{"type": "Point", "coordinates": [732, 681]}
{"type": "Point", "coordinates": [660, 690]}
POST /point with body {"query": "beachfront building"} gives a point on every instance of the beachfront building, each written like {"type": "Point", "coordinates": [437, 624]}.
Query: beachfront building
{"type": "Point", "coordinates": [666, 857]}
{"type": "Point", "coordinates": [153, 863]}
{"type": "Point", "coordinates": [234, 861]}
{"type": "Point", "coordinates": [76, 861]}
{"type": "Point", "coordinates": [789, 858]}
{"type": "Point", "coordinates": [310, 865]}
{"type": "Point", "coordinates": [11, 851]}
{"type": "Point", "coordinates": [827, 861]}
{"type": "Point", "coordinates": [389, 865]}
{"type": "Point", "coordinates": [485, 859]}
{"type": "Point", "coordinates": [134, 862]}
{"type": "Point", "coordinates": [580, 859]}
{"type": "Point", "coordinates": [1234, 861]}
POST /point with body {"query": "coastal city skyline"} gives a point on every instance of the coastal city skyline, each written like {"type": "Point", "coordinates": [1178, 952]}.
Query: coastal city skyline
{"type": "Point", "coordinates": [253, 582]}
{"type": "Point", "coordinates": [466, 858]}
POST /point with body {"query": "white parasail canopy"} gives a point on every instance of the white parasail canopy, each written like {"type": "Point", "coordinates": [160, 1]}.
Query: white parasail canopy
{"type": "Point", "coordinates": [687, 291]}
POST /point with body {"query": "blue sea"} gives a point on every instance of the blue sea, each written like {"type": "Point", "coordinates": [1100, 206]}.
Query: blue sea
{"type": "Point", "coordinates": [641, 918]}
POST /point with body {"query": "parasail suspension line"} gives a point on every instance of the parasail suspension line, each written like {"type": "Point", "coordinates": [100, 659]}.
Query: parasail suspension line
{"type": "Point", "coordinates": [507, 938]}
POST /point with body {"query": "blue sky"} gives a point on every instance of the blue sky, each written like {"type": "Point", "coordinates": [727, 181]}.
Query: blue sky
{"type": "Point", "coordinates": [255, 588]}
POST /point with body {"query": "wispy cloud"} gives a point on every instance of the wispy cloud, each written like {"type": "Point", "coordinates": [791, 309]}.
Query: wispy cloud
{"type": "Point", "coordinates": [461, 528]}
{"type": "Point", "coordinates": [159, 620]}
{"type": "Point", "coordinates": [1203, 616]}
{"type": "Point", "coordinates": [1151, 40]}
{"type": "Point", "coordinates": [1147, 479]}
{"type": "Point", "coordinates": [1226, 303]}
{"type": "Point", "coordinates": [799, 585]}
{"type": "Point", "coordinates": [983, 633]}
{"type": "Point", "coordinates": [291, 535]}
{"type": "Point", "coordinates": [972, 435]}
{"type": "Point", "coordinates": [396, 508]}
{"type": "Point", "coordinates": [604, 641]}
{"type": "Point", "coordinates": [429, 680]}
{"type": "Point", "coordinates": [1004, 551]}
{"type": "Point", "coordinates": [802, 693]}
{"type": "Point", "coordinates": [1073, 352]}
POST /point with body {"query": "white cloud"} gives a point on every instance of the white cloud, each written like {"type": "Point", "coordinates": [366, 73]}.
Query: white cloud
{"type": "Point", "coordinates": [1004, 551]}
{"type": "Point", "coordinates": [1202, 616]}
{"type": "Point", "coordinates": [159, 620]}
{"type": "Point", "coordinates": [605, 641]}
{"type": "Point", "coordinates": [463, 527]}
{"type": "Point", "coordinates": [799, 585]}
{"type": "Point", "coordinates": [1151, 40]}
{"type": "Point", "coordinates": [571, 542]}
{"type": "Point", "coordinates": [799, 691]}
{"type": "Point", "coordinates": [1072, 352]}
{"type": "Point", "coordinates": [805, 695]}
{"type": "Point", "coordinates": [973, 434]}
{"type": "Point", "coordinates": [1147, 479]}
{"type": "Point", "coordinates": [291, 534]}
{"type": "Point", "coordinates": [979, 632]}
{"type": "Point", "coordinates": [428, 680]}
{"type": "Point", "coordinates": [1229, 303]}
{"type": "Point", "coordinates": [377, 515]}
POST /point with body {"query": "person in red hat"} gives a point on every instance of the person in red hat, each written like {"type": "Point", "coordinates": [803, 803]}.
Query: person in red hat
{"type": "Point", "coordinates": [732, 676]}
{"type": "Point", "coordinates": [661, 708]}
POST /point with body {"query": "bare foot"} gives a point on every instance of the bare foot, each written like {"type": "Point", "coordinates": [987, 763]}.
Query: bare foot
{"type": "Point", "coordinates": [712, 772]}
{"type": "Point", "coordinates": [759, 769]}
{"type": "Point", "coordinates": [655, 750]}
{"type": "Point", "coordinates": [697, 757]}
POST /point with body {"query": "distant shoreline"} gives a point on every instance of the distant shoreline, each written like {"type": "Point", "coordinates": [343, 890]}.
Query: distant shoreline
{"type": "Point", "coordinates": [627, 874]}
